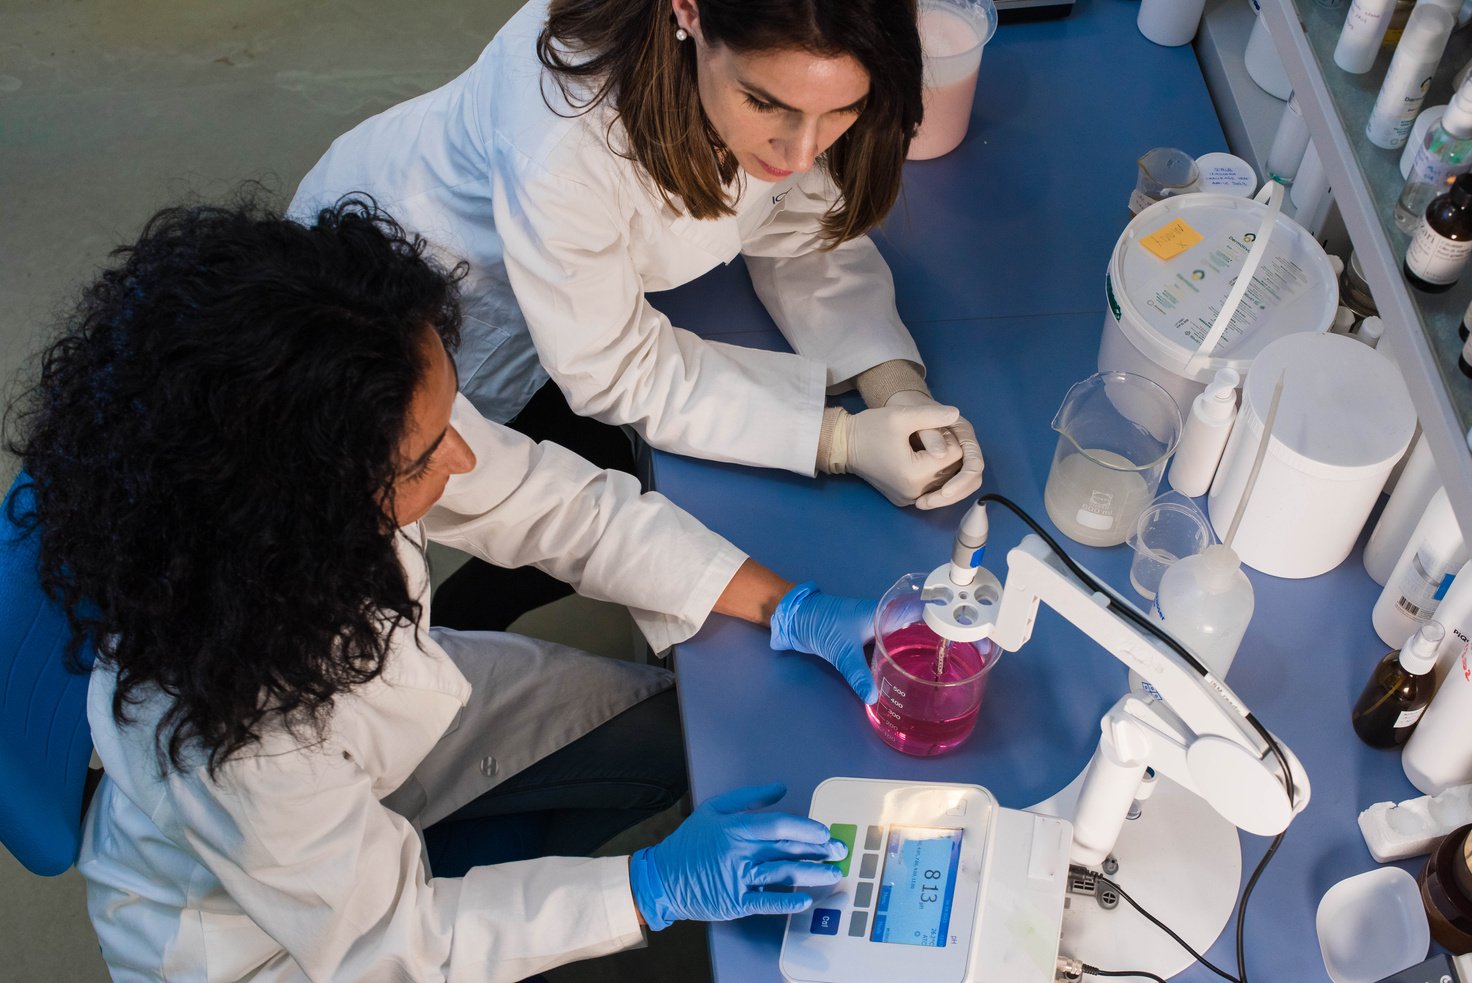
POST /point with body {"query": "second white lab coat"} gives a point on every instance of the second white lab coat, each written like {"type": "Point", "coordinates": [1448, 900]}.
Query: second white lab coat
{"type": "Point", "coordinates": [304, 861]}
{"type": "Point", "coordinates": [564, 237]}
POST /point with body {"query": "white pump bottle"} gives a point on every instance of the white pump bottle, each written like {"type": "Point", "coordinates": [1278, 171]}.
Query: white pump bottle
{"type": "Point", "coordinates": [1206, 602]}
{"type": "Point", "coordinates": [1205, 436]}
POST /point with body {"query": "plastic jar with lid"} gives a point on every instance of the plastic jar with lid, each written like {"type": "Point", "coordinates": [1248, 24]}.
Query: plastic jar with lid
{"type": "Point", "coordinates": [1446, 891]}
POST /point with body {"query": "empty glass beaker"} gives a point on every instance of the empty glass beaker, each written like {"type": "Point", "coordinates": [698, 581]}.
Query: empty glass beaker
{"type": "Point", "coordinates": [1169, 529]}
{"type": "Point", "coordinates": [1116, 431]}
{"type": "Point", "coordinates": [930, 689]}
{"type": "Point", "coordinates": [1163, 173]}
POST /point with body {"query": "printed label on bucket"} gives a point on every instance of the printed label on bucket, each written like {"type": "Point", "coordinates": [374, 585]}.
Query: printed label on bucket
{"type": "Point", "coordinates": [1188, 299]}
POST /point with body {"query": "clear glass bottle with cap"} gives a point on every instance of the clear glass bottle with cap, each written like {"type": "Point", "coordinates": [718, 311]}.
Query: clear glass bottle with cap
{"type": "Point", "coordinates": [1440, 248]}
{"type": "Point", "coordinates": [1398, 690]}
{"type": "Point", "coordinates": [1445, 152]}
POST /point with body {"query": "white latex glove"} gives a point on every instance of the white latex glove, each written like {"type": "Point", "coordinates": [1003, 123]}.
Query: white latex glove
{"type": "Point", "coordinates": [963, 481]}
{"type": "Point", "coordinates": [875, 445]}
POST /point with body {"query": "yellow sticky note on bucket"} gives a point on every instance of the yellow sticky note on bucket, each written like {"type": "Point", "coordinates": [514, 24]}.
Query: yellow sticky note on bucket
{"type": "Point", "coordinates": [1171, 240]}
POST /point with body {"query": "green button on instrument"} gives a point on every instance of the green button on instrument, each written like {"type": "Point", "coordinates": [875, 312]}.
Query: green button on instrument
{"type": "Point", "coordinates": [847, 833]}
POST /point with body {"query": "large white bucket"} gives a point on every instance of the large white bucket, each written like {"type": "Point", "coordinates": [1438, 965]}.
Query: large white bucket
{"type": "Point", "coordinates": [1161, 310]}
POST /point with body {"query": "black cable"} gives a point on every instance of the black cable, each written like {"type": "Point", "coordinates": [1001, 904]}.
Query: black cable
{"type": "Point", "coordinates": [1140, 973]}
{"type": "Point", "coordinates": [1134, 616]}
{"type": "Point", "coordinates": [1167, 930]}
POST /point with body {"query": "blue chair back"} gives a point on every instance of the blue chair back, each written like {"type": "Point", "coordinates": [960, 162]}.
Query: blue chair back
{"type": "Point", "coordinates": [45, 742]}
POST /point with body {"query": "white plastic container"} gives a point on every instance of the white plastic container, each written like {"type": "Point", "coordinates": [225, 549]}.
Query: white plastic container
{"type": "Point", "coordinates": [1439, 754]}
{"type": "Point", "coordinates": [1226, 174]}
{"type": "Point", "coordinates": [1170, 23]}
{"type": "Point", "coordinates": [1290, 140]}
{"type": "Point", "coordinates": [1159, 311]}
{"type": "Point", "coordinates": [1359, 39]}
{"type": "Point", "coordinates": [1344, 420]}
{"type": "Point", "coordinates": [1310, 195]}
{"type": "Point", "coordinates": [953, 34]}
{"type": "Point", "coordinates": [1418, 482]}
{"type": "Point", "coordinates": [1261, 60]}
{"type": "Point", "coordinates": [1205, 435]}
{"type": "Point", "coordinates": [1422, 575]}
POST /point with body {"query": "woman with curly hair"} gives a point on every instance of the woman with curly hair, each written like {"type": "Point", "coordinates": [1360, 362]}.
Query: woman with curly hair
{"type": "Point", "coordinates": [600, 150]}
{"type": "Point", "coordinates": [238, 450]}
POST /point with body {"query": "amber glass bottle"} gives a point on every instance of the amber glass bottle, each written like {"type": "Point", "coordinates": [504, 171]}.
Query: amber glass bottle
{"type": "Point", "coordinates": [1443, 242]}
{"type": "Point", "coordinates": [1399, 689]}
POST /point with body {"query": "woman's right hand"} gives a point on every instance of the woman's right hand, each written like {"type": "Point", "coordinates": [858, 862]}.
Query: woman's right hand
{"type": "Point", "coordinates": [875, 445]}
{"type": "Point", "coordinates": [712, 866]}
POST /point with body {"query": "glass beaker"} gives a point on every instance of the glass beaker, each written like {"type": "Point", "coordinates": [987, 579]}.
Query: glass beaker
{"type": "Point", "coordinates": [952, 36]}
{"type": "Point", "coordinates": [928, 698]}
{"type": "Point", "coordinates": [1116, 431]}
{"type": "Point", "coordinates": [1163, 173]}
{"type": "Point", "coordinates": [1170, 528]}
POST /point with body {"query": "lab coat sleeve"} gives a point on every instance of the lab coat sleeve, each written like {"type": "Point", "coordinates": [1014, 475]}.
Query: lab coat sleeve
{"type": "Point", "coordinates": [834, 306]}
{"type": "Point", "coordinates": [301, 843]}
{"type": "Point", "coordinates": [568, 255]}
{"type": "Point", "coordinates": [540, 504]}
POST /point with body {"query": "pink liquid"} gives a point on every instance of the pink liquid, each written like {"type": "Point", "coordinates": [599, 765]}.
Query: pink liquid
{"type": "Point", "coordinates": [950, 81]}
{"type": "Point", "coordinates": [920, 711]}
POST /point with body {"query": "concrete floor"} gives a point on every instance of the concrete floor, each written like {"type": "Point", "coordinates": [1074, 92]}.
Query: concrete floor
{"type": "Point", "coordinates": [109, 110]}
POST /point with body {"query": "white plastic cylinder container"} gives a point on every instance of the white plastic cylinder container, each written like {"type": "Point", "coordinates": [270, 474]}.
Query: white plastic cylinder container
{"type": "Point", "coordinates": [1170, 22]}
{"type": "Point", "coordinates": [1263, 64]}
{"type": "Point", "coordinates": [1359, 39]}
{"type": "Point", "coordinates": [1205, 435]}
{"type": "Point", "coordinates": [1403, 91]}
{"type": "Point", "coordinates": [1423, 574]}
{"type": "Point", "coordinates": [1439, 754]}
{"type": "Point", "coordinates": [1418, 482]}
{"type": "Point", "coordinates": [1293, 289]}
{"type": "Point", "coordinates": [953, 34]}
{"type": "Point", "coordinates": [1290, 141]}
{"type": "Point", "coordinates": [1310, 192]}
{"type": "Point", "coordinates": [1344, 419]}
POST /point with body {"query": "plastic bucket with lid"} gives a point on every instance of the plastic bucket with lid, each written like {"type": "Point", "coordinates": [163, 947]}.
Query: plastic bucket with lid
{"type": "Point", "coordinates": [1176, 266]}
{"type": "Point", "coordinates": [1344, 419]}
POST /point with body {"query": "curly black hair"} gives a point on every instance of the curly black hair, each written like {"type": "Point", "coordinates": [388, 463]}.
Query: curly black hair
{"type": "Point", "coordinates": [213, 443]}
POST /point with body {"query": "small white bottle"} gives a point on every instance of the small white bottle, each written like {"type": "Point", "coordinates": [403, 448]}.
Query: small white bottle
{"type": "Point", "coordinates": [1439, 754]}
{"type": "Point", "coordinates": [1415, 60]}
{"type": "Point", "coordinates": [1289, 142]}
{"type": "Point", "coordinates": [1205, 435]}
{"type": "Point", "coordinates": [1372, 329]}
{"type": "Point", "coordinates": [1170, 22]}
{"type": "Point", "coordinates": [1422, 575]}
{"type": "Point", "coordinates": [1418, 482]}
{"type": "Point", "coordinates": [1344, 319]}
{"type": "Point", "coordinates": [1206, 603]}
{"type": "Point", "coordinates": [1359, 41]}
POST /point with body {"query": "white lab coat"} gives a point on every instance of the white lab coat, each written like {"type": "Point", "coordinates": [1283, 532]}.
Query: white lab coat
{"type": "Point", "coordinates": [533, 199]}
{"type": "Point", "coordinates": [298, 862]}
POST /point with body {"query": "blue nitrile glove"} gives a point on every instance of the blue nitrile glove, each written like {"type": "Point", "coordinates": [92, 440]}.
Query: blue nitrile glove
{"type": "Point", "coordinates": [709, 868]}
{"type": "Point", "coordinates": [835, 628]}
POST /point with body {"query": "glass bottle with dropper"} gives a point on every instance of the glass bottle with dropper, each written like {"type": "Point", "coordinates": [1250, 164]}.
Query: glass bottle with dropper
{"type": "Point", "coordinates": [1445, 152]}
{"type": "Point", "coordinates": [1399, 689]}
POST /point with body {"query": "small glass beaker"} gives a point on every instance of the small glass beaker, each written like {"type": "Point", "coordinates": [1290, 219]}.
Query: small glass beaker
{"type": "Point", "coordinates": [1163, 173]}
{"type": "Point", "coordinates": [930, 689]}
{"type": "Point", "coordinates": [952, 36]}
{"type": "Point", "coordinates": [1171, 528]}
{"type": "Point", "coordinates": [1116, 431]}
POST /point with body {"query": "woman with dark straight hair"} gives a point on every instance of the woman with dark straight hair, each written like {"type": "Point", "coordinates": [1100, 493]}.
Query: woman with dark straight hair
{"type": "Point", "coordinates": [600, 150]}
{"type": "Point", "coordinates": [234, 457]}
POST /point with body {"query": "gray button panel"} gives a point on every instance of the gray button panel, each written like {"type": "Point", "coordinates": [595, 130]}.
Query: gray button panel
{"type": "Point", "coordinates": [864, 894]}
{"type": "Point", "coordinates": [869, 865]}
{"type": "Point", "coordinates": [873, 837]}
{"type": "Point", "coordinates": [859, 923]}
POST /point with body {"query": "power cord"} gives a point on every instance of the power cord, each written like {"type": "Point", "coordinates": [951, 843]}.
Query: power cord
{"type": "Point", "coordinates": [1137, 973]}
{"type": "Point", "coordinates": [1147, 625]}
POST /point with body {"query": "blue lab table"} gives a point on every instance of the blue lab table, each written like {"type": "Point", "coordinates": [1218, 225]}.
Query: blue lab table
{"type": "Point", "coordinates": [999, 251]}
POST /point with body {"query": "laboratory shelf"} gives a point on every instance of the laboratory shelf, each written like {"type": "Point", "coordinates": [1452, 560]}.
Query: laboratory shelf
{"type": "Point", "coordinates": [1421, 328]}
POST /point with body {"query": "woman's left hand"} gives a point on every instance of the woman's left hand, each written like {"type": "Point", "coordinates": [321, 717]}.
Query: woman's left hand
{"type": "Point", "coordinates": [833, 628]}
{"type": "Point", "coordinates": [958, 484]}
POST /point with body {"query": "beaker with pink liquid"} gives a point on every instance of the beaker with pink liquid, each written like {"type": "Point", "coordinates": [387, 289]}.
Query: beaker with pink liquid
{"type": "Point", "coordinates": [952, 34]}
{"type": "Point", "coordinates": [930, 689]}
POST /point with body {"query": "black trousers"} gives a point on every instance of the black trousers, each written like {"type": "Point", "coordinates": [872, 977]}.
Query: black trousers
{"type": "Point", "coordinates": [480, 596]}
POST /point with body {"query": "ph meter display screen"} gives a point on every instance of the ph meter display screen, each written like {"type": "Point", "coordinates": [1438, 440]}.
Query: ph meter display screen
{"type": "Point", "coordinates": [917, 887]}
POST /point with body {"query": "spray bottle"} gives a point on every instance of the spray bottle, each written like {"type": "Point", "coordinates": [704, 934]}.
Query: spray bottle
{"type": "Point", "coordinates": [1206, 600]}
{"type": "Point", "coordinates": [1396, 695]}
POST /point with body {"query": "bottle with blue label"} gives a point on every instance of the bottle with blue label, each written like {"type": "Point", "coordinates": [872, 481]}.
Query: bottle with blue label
{"type": "Point", "coordinates": [1422, 575]}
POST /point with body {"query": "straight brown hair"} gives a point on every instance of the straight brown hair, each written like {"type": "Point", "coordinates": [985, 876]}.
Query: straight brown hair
{"type": "Point", "coordinates": [626, 50]}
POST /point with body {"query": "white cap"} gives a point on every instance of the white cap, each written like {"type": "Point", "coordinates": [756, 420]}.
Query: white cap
{"type": "Point", "coordinates": [1226, 174]}
{"type": "Point", "coordinates": [1418, 656]}
{"type": "Point", "coordinates": [1371, 328]}
{"type": "Point", "coordinates": [1343, 320]}
{"type": "Point", "coordinates": [1458, 117]}
{"type": "Point", "coordinates": [1219, 402]}
{"type": "Point", "coordinates": [1337, 264]}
